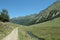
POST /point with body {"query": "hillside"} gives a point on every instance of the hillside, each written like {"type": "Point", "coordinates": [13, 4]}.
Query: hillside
{"type": "Point", "coordinates": [24, 20]}
{"type": "Point", "coordinates": [45, 30]}
{"type": "Point", "coordinates": [49, 13]}
{"type": "Point", "coordinates": [48, 30]}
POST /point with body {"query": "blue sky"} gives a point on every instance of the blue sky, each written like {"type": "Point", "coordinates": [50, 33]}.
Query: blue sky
{"type": "Point", "coordinates": [24, 7]}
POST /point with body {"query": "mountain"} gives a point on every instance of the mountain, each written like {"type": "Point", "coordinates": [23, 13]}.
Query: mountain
{"type": "Point", "coordinates": [53, 11]}
{"type": "Point", "coordinates": [23, 20]}
{"type": "Point", "coordinates": [49, 13]}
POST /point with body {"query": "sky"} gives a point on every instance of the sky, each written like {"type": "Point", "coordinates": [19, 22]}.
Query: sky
{"type": "Point", "coordinates": [18, 8]}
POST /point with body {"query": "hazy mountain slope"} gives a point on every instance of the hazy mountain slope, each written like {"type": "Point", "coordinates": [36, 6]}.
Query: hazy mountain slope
{"type": "Point", "coordinates": [47, 14]}
{"type": "Point", "coordinates": [23, 20]}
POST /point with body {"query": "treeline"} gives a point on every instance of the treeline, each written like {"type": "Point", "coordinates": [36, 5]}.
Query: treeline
{"type": "Point", "coordinates": [4, 17]}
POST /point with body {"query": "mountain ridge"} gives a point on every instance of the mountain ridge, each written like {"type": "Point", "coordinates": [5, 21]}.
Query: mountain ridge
{"type": "Point", "coordinates": [42, 16]}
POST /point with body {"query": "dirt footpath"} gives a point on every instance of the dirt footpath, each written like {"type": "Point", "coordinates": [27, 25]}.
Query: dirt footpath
{"type": "Point", "coordinates": [12, 36]}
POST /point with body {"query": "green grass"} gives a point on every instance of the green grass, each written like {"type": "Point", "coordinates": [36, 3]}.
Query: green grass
{"type": "Point", "coordinates": [49, 30]}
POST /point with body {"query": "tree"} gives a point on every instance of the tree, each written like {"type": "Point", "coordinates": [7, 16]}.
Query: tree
{"type": "Point", "coordinates": [4, 15]}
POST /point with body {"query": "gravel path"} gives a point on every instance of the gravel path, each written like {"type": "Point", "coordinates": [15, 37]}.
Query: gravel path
{"type": "Point", "coordinates": [12, 36]}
